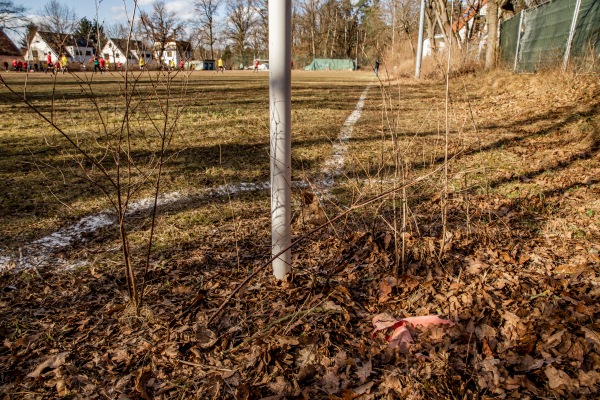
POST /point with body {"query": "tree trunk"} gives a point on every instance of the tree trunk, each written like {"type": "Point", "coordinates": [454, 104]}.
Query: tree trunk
{"type": "Point", "coordinates": [393, 32]}
{"type": "Point", "coordinates": [333, 41]}
{"type": "Point", "coordinates": [492, 34]}
{"type": "Point", "coordinates": [410, 42]}
{"type": "Point", "coordinates": [212, 40]}
{"type": "Point", "coordinates": [429, 17]}
{"type": "Point", "coordinates": [312, 29]}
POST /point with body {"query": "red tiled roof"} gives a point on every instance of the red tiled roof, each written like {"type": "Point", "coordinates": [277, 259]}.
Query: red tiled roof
{"type": "Point", "coordinates": [7, 47]}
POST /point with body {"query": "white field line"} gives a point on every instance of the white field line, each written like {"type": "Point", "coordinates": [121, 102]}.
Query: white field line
{"type": "Point", "coordinates": [40, 252]}
{"type": "Point", "coordinates": [335, 165]}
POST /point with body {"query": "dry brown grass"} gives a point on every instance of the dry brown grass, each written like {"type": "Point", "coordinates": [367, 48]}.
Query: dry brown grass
{"type": "Point", "coordinates": [402, 64]}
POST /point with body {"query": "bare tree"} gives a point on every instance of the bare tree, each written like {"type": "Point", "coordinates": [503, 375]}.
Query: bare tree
{"type": "Point", "coordinates": [405, 18]}
{"type": "Point", "coordinates": [30, 30]}
{"type": "Point", "coordinates": [207, 10]}
{"type": "Point", "coordinates": [12, 16]}
{"type": "Point", "coordinates": [240, 20]}
{"type": "Point", "coordinates": [311, 10]}
{"type": "Point", "coordinates": [117, 30]}
{"type": "Point", "coordinates": [442, 14]}
{"type": "Point", "coordinates": [58, 18]}
{"type": "Point", "coordinates": [260, 31]}
{"type": "Point", "coordinates": [161, 26]}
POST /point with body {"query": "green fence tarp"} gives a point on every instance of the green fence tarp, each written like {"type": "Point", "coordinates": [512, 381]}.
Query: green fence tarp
{"type": "Point", "coordinates": [586, 41]}
{"type": "Point", "coordinates": [325, 64]}
{"type": "Point", "coordinates": [544, 41]}
{"type": "Point", "coordinates": [545, 35]}
{"type": "Point", "coordinates": [509, 37]}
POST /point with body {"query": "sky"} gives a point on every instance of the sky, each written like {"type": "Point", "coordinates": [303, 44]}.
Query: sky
{"type": "Point", "coordinates": [109, 11]}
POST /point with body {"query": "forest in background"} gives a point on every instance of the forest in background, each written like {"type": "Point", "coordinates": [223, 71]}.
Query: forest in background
{"type": "Point", "coordinates": [237, 30]}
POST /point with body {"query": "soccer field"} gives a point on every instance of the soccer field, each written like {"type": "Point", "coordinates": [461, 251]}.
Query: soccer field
{"type": "Point", "coordinates": [217, 125]}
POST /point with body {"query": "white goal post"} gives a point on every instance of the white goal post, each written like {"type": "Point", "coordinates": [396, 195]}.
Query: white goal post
{"type": "Point", "coordinates": [280, 91]}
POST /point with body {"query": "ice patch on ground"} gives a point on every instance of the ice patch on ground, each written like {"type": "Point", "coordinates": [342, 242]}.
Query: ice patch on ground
{"type": "Point", "coordinates": [65, 236]}
{"type": "Point", "coordinates": [41, 252]}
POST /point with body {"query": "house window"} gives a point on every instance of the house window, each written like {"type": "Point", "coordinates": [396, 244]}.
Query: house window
{"type": "Point", "coordinates": [34, 53]}
{"type": "Point", "coordinates": [106, 56]}
{"type": "Point", "coordinates": [169, 54]}
{"type": "Point", "coordinates": [117, 55]}
{"type": "Point", "coordinates": [88, 52]}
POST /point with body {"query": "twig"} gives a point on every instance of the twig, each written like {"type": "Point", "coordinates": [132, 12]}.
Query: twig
{"type": "Point", "coordinates": [203, 365]}
{"type": "Point", "coordinates": [543, 294]}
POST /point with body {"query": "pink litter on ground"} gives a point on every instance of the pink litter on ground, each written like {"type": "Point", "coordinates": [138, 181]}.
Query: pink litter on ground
{"type": "Point", "coordinates": [401, 335]}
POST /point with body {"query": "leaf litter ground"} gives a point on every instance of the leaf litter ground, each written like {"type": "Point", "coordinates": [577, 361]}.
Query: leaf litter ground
{"type": "Point", "coordinates": [519, 278]}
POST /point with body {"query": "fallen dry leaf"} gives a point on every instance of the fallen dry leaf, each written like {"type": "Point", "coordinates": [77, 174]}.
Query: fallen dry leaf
{"type": "Point", "coordinates": [589, 378]}
{"type": "Point", "coordinates": [52, 362]}
{"type": "Point", "coordinates": [386, 286]}
{"type": "Point", "coordinates": [281, 386]}
{"type": "Point", "coordinates": [364, 371]}
{"type": "Point", "coordinates": [557, 378]}
{"type": "Point", "coordinates": [143, 376]}
{"type": "Point", "coordinates": [330, 382]}
{"type": "Point", "coordinates": [61, 388]}
{"type": "Point", "coordinates": [591, 335]}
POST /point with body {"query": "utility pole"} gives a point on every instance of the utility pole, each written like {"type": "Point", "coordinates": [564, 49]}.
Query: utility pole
{"type": "Point", "coordinates": [280, 93]}
{"type": "Point", "coordinates": [420, 43]}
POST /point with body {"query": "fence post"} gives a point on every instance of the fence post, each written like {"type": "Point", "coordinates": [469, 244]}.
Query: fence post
{"type": "Point", "coordinates": [571, 34]}
{"type": "Point", "coordinates": [518, 41]}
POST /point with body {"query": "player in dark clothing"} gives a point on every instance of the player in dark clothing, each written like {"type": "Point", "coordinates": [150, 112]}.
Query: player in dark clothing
{"type": "Point", "coordinates": [97, 64]}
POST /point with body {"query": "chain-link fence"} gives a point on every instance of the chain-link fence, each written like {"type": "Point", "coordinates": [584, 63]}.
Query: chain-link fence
{"type": "Point", "coordinates": [556, 33]}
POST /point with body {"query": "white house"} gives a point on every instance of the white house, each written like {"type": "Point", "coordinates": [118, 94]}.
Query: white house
{"type": "Point", "coordinates": [440, 44]}
{"type": "Point", "coordinates": [57, 44]}
{"type": "Point", "coordinates": [176, 51]}
{"type": "Point", "coordinates": [115, 50]}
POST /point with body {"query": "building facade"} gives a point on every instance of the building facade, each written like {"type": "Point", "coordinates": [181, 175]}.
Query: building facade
{"type": "Point", "coordinates": [176, 51]}
{"type": "Point", "coordinates": [77, 50]}
{"type": "Point", "coordinates": [126, 52]}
